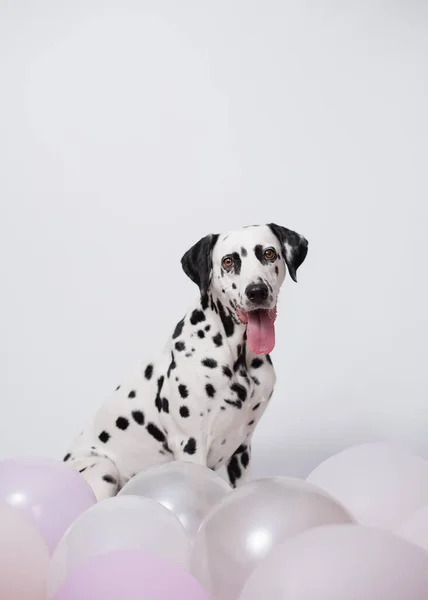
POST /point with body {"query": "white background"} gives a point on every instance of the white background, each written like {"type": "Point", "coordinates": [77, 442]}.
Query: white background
{"type": "Point", "coordinates": [130, 129]}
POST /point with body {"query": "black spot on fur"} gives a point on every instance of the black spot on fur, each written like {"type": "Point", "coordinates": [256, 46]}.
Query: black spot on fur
{"type": "Point", "coordinates": [251, 422]}
{"type": "Point", "coordinates": [184, 412]}
{"type": "Point", "coordinates": [158, 401]}
{"type": "Point", "coordinates": [276, 270]}
{"type": "Point", "coordinates": [122, 423]}
{"type": "Point", "coordinates": [245, 459]}
{"type": "Point", "coordinates": [213, 306]}
{"type": "Point", "coordinates": [183, 390]}
{"type": "Point", "coordinates": [178, 329]}
{"type": "Point", "coordinates": [165, 405]}
{"type": "Point", "coordinates": [67, 457]}
{"type": "Point", "coordinates": [227, 371]}
{"type": "Point", "coordinates": [260, 255]}
{"type": "Point", "coordinates": [240, 391]}
{"type": "Point", "coordinates": [218, 339]}
{"type": "Point", "coordinates": [237, 263]}
{"type": "Point", "coordinates": [222, 408]}
{"type": "Point", "coordinates": [207, 327]}
{"type": "Point", "coordinates": [196, 317]}
{"type": "Point", "coordinates": [241, 361]}
{"type": "Point", "coordinates": [209, 362]}
{"type": "Point", "coordinates": [256, 406]}
{"type": "Point", "coordinates": [104, 437]}
{"type": "Point", "coordinates": [82, 470]}
{"type": "Point", "coordinates": [132, 394]}
{"type": "Point", "coordinates": [190, 447]}
{"type": "Point", "coordinates": [109, 479]}
{"type": "Point", "coordinates": [256, 381]}
{"type": "Point", "coordinates": [180, 346]}
{"type": "Point", "coordinates": [244, 252]}
{"type": "Point", "coordinates": [201, 333]}
{"type": "Point", "coordinates": [148, 372]}
{"type": "Point", "coordinates": [155, 432]}
{"type": "Point", "coordinates": [256, 363]}
{"type": "Point", "coordinates": [118, 388]}
{"type": "Point", "coordinates": [138, 417]}
{"type": "Point", "coordinates": [234, 470]}
{"type": "Point", "coordinates": [227, 320]}
{"type": "Point", "coordinates": [172, 364]}
{"type": "Point", "coordinates": [241, 449]}
{"type": "Point", "coordinates": [234, 286]}
{"type": "Point", "coordinates": [204, 301]}
{"type": "Point", "coordinates": [210, 390]}
{"type": "Point", "coordinates": [166, 447]}
{"type": "Point", "coordinates": [235, 403]}
{"type": "Point", "coordinates": [268, 358]}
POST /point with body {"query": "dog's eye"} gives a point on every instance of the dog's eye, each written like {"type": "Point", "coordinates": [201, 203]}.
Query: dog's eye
{"type": "Point", "coordinates": [270, 254]}
{"type": "Point", "coordinates": [227, 262]}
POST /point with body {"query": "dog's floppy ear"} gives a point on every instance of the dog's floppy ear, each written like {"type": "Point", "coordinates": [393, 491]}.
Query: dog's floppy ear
{"type": "Point", "coordinates": [294, 247]}
{"type": "Point", "coordinates": [197, 261]}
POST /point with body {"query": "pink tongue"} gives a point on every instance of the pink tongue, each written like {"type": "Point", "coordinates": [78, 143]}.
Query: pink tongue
{"type": "Point", "coordinates": [260, 332]}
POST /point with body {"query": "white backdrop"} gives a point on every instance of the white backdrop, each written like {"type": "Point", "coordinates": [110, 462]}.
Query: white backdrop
{"type": "Point", "coordinates": [130, 129]}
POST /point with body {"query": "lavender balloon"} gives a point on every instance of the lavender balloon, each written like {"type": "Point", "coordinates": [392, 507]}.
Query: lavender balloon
{"type": "Point", "coordinates": [130, 574]}
{"type": "Point", "coordinates": [47, 492]}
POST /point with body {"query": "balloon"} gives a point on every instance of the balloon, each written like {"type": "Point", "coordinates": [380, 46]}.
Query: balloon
{"type": "Point", "coordinates": [341, 562]}
{"type": "Point", "coordinates": [244, 527]}
{"type": "Point", "coordinates": [24, 558]}
{"type": "Point", "coordinates": [381, 484]}
{"type": "Point", "coordinates": [415, 528]}
{"type": "Point", "coordinates": [119, 523]}
{"type": "Point", "coordinates": [187, 490]}
{"type": "Point", "coordinates": [131, 575]}
{"type": "Point", "coordinates": [49, 493]}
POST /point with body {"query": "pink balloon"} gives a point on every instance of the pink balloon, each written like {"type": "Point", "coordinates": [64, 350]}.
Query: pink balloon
{"type": "Point", "coordinates": [130, 574]}
{"type": "Point", "coordinates": [49, 493]}
{"type": "Point", "coordinates": [24, 558]}
{"type": "Point", "coordinates": [341, 562]}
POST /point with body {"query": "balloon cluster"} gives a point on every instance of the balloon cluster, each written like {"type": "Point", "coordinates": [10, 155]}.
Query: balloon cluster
{"type": "Point", "coordinates": [357, 528]}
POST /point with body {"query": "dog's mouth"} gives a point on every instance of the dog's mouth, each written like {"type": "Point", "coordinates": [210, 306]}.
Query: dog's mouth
{"type": "Point", "coordinates": [260, 328]}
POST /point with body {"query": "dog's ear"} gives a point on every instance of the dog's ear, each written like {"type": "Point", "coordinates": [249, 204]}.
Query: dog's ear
{"type": "Point", "coordinates": [197, 262]}
{"type": "Point", "coordinates": [294, 247]}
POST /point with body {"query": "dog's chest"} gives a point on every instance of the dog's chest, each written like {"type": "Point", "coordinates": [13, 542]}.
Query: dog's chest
{"type": "Point", "coordinates": [231, 421]}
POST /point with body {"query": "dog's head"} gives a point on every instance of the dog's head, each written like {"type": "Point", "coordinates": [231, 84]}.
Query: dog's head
{"type": "Point", "coordinates": [247, 268]}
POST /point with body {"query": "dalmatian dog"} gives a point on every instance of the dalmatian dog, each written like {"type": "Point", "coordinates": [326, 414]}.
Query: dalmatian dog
{"type": "Point", "coordinates": [201, 399]}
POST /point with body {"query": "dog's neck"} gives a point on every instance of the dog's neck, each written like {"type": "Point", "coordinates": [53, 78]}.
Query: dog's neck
{"type": "Point", "coordinates": [234, 332]}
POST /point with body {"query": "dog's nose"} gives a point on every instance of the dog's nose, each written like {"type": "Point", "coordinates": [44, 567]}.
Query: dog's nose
{"type": "Point", "coordinates": [257, 292]}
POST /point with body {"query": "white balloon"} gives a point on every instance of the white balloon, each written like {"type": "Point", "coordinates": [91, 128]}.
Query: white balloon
{"type": "Point", "coordinates": [189, 491]}
{"type": "Point", "coordinates": [381, 484]}
{"type": "Point", "coordinates": [415, 528]}
{"type": "Point", "coordinates": [120, 523]}
{"type": "Point", "coordinates": [341, 562]}
{"type": "Point", "coordinates": [244, 527]}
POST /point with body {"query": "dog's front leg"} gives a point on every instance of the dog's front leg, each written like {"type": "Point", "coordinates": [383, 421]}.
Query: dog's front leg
{"type": "Point", "coordinates": [239, 465]}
